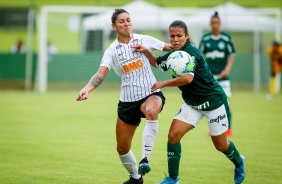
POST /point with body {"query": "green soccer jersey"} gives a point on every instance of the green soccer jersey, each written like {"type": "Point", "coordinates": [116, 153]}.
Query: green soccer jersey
{"type": "Point", "coordinates": [216, 50]}
{"type": "Point", "coordinates": [204, 92]}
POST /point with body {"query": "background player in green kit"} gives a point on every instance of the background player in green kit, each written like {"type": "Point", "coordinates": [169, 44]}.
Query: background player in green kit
{"type": "Point", "coordinates": [219, 52]}
{"type": "Point", "coordinates": [203, 96]}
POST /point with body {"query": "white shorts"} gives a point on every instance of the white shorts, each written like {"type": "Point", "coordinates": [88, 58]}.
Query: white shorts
{"type": "Point", "coordinates": [225, 84]}
{"type": "Point", "coordinates": [217, 119]}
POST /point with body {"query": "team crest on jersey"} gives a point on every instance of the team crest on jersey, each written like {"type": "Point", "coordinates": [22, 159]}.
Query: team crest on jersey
{"type": "Point", "coordinates": [120, 53]}
{"type": "Point", "coordinates": [221, 45]}
{"type": "Point", "coordinates": [135, 42]}
{"type": "Point", "coordinates": [208, 44]}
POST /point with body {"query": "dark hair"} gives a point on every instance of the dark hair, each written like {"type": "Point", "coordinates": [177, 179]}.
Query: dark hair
{"type": "Point", "coordinates": [116, 13]}
{"type": "Point", "coordinates": [215, 15]}
{"type": "Point", "coordinates": [180, 23]}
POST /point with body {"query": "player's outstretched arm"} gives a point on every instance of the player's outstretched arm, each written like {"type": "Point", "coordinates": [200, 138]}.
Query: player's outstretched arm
{"type": "Point", "coordinates": [94, 82]}
{"type": "Point", "coordinates": [178, 81]}
{"type": "Point", "coordinates": [152, 58]}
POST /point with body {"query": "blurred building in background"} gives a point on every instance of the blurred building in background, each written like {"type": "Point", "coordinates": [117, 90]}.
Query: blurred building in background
{"type": "Point", "coordinates": [79, 33]}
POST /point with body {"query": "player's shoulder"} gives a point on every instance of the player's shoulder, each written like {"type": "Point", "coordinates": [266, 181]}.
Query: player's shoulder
{"type": "Point", "coordinates": [140, 36]}
{"type": "Point", "coordinates": [206, 36]}
{"type": "Point", "coordinates": [225, 36]}
{"type": "Point", "coordinates": [111, 49]}
{"type": "Point", "coordinates": [190, 45]}
{"type": "Point", "coordinates": [113, 45]}
{"type": "Point", "coordinates": [192, 49]}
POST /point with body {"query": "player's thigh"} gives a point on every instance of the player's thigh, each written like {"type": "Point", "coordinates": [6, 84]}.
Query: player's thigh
{"type": "Point", "coordinates": [218, 119]}
{"type": "Point", "coordinates": [189, 115]}
{"type": "Point", "coordinates": [225, 84]}
{"type": "Point", "coordinates": [153, 103]}
{"type": "Point", "coordinates": [124, 134]}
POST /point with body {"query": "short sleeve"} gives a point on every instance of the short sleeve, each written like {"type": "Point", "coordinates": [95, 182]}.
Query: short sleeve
{"type": "Point", "coordinates": [230, 47]}
{"type": "Point", "coordinates": [107, 59]}
{"type": "Point", "coordinates": [202, 46]}
{"type": "Point", "coordinates": [152, 43]}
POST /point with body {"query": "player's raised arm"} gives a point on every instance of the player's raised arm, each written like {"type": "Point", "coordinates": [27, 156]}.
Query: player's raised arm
{"type": "Point", "coordinates": [152, 58]}
{"type": "Point", "coordinates": [94, 82]}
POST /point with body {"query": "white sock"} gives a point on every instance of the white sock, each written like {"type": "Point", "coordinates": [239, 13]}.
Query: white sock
{"type": "Point", "coordinates": [129, 162]}
{"type": "Point", "coordinates": [149, 136]}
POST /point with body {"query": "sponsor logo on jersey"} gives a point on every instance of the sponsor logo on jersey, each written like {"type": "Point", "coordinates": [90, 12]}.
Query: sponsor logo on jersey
{"type": "Point", "coordinates": [219, 118]}
{"type": "Point", "coordinates": [132, 65]}
{"type": "Point", "coordinates": [215, 54]}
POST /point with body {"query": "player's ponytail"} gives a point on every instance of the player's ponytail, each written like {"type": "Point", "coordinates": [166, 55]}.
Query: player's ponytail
{"type": "Point", "coordinates": [180, 23]}
{"type": "Point", "coordinates": [215, 15]}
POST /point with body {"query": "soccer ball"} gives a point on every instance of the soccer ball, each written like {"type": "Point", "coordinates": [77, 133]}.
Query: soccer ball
{"type": "Point", "coordinates": [179, 63]}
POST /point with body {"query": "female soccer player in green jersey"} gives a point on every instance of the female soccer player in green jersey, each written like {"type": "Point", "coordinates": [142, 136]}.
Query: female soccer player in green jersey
{"type": "Point", "coordinates": [202, 96]}
{"type": "Point", "coordinates": [219, 52]}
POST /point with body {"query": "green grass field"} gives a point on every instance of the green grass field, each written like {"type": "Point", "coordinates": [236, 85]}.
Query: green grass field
{"type": "Point", "coordinates": [51, 138]}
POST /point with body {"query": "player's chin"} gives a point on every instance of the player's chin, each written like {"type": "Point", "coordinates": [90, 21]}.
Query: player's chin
{"type": "Point", "coordinates": [176, 47]}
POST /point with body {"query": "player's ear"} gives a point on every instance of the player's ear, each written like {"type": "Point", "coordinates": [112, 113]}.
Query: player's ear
{"type": "Point", "coordinates": [114, 26]}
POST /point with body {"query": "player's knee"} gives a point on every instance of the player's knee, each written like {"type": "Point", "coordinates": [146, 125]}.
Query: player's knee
{"type": "Point", "coordinates": [221, 147]}
{"type": "Point", "coordinates": [173, 137]}
{"type": "Point", "coordinates": [152, 113]}
{"type": "Point", "coordinates": [122, 150]}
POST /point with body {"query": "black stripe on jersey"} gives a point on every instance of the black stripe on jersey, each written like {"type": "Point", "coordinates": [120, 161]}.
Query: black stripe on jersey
{"type": "Point", "coordinates": [126, 96]}
{"type": "Point", "coordinates": [146, 72]}
{"type": "Point", "coordinates": [136, 55]}
{"type": "Point", "coordinates": [128, 89]}
{"type": "Point", "coordinates": [147, 75]}
{"type": "Point", "coordinates": [144, 68]}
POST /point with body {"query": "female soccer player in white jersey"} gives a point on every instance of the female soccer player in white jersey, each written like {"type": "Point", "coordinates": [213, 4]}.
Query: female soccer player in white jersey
{"type": "Point", "coordinates": [203, 97]}
{"type": "Point", "coordinates": [136, 98]}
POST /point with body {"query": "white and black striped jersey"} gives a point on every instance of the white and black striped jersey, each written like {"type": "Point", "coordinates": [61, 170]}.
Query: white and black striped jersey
{"type": "Point", "coordinates": [133, 67]}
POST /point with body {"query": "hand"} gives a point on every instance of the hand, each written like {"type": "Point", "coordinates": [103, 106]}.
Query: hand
{"type": "Point", "coordinates": [224, 74]}
{"type": "Point", "coordinates": [157, 85]}
{"type": "Point", "coordinates": [138, 48]}
{"type": "Point", "coordinates": [83, 95]}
